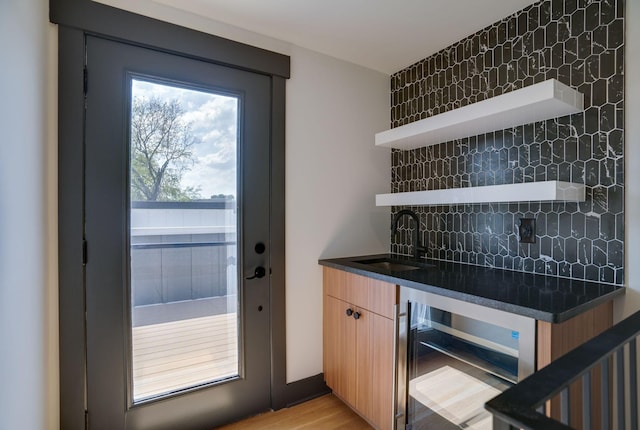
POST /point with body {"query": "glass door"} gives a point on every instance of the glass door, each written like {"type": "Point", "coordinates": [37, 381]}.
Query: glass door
{"type": "Point", "coordinates": [456, 364]}
{"type": "Point", "coordinates": [177, 232]}
{"type": "Point", "coordinates": [183, 236]}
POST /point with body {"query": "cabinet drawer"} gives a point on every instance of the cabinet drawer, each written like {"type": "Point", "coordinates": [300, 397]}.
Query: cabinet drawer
{"type": "Point", "coordinates": [371, 294]}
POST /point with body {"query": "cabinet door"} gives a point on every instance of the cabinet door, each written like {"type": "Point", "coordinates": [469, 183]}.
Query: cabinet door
{"type": "Point", "coordinates": [374, 367]}
{"type": "Point", "coordinates": [339, 339]}
{"type": "Point", "coordinates": [371, 294]}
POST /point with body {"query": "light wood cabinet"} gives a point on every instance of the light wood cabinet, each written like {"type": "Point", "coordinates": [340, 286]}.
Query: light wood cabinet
{"type": "Point", "coordinates": [358, 340]}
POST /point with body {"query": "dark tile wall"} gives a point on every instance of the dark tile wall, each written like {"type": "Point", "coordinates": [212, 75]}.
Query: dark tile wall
{"type": "Point", "coordinates": [578, 42]}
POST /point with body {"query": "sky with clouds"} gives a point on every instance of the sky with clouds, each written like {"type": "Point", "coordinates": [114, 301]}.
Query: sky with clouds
{"type": "Point", "coordinates": [214, 122]}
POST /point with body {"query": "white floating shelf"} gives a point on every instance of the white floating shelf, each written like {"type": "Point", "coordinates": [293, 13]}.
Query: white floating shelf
{"type": "Point", "coordinates": [538, 102]}
{"type": "Point", "coordinates": [529, 191]}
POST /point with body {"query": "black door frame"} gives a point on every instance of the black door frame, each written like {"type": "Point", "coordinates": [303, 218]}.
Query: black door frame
{"type": "Point", "coordinates": [76, 19]}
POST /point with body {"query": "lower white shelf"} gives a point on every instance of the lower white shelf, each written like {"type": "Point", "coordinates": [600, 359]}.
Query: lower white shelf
{"type": "Point", "coordinates": [529, 191]}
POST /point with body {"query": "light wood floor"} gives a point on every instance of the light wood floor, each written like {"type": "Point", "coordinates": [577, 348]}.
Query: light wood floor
{"type": "Point", "coordinates": [323, 413]}
{"type": "Point", "coordinates": [180, 354]}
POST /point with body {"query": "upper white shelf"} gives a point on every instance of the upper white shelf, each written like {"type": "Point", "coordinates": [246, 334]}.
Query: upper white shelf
{"type": "Point", "coordinates": [528, 191]}
{"type": "Point", "coordinates": [538, 102]}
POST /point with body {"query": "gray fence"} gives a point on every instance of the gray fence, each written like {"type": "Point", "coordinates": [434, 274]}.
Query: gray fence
{"type": "Point", "coordinates": [182, 251]}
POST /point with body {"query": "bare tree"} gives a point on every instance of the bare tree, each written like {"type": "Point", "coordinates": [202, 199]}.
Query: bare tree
{"type": "Point", "coordinates": [161, 143]}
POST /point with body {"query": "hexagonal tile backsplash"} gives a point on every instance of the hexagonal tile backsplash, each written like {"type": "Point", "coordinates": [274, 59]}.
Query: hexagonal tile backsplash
{"type": "Point", "coordinates": [578, 42]}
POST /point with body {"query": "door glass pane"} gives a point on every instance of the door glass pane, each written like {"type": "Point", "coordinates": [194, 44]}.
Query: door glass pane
{"type": "Point", "coordinates": [184, 277]}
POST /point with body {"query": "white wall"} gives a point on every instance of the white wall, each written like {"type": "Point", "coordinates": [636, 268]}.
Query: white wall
{"type": "Point", "coordinates": [28, 222]}
{"type": "Point", "coordinates": [159, 11]}
{"type": "Point", "coordinates": [333, 173]}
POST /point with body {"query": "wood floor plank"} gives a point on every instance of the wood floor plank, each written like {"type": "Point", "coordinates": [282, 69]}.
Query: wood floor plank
{"type": "Point", "coordinates": [322, 413]}
{"type": "Point", "coordinates": [179, 354]}
{"type": "Point", "coordinates": [161, 352]}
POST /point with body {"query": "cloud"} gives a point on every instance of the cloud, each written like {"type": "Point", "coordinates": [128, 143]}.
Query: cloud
{"type": "Point", "coordinates": [214, 123]}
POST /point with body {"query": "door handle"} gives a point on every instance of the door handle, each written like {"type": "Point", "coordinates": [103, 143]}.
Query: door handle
{"type": "Point", "coordinates": [259, 273]}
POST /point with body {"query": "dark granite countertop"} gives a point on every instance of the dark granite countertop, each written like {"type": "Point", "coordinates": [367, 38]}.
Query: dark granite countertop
{"type": "Point", "coordinates": [546, 298]}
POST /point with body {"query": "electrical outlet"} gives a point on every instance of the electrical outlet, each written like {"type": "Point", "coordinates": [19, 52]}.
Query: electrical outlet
{"type": "Point", "coordinates": [527, 230]}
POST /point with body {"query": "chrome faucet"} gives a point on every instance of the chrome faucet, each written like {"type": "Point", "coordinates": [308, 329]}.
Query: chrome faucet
{"type": "Point", "coordinates": [418, 249]}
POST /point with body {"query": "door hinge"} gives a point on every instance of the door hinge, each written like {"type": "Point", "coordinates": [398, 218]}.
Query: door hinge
{"type": "Point", "coordinates": [85, 83]}
{"type": "Point", "coordinates": [84, 252]}
{"type": "Point", "coordinates": [86, 420]}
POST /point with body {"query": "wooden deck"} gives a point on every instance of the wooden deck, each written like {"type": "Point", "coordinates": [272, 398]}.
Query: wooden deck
{"type": "Point", "coordinates": [179, 354]}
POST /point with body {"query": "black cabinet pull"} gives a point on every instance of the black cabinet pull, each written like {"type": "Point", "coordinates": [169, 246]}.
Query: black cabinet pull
{"type": "Point", "coordinates": [356, 315]}
{"type": "Point", "coordinates": [349, 312]}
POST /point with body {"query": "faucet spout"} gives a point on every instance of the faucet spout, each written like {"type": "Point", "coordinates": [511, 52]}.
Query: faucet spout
{"type": "Point", "coordinates": [418, 249]}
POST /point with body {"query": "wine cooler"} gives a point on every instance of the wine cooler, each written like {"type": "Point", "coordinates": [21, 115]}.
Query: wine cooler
{"type": "Point", "coordinates": [453, 356]}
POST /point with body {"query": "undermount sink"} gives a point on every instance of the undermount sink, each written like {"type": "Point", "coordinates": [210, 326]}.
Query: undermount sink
{"type": "Point", "coordinates": [395, 265]}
